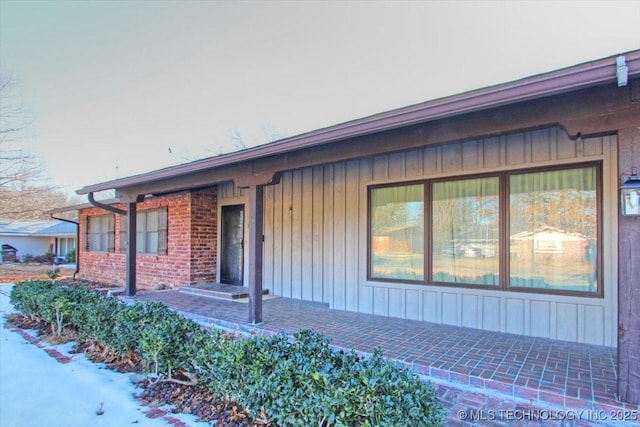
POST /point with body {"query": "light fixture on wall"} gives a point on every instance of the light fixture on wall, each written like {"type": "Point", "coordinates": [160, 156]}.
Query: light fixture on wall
{"type": "Point", "coordinates": [630, 195]}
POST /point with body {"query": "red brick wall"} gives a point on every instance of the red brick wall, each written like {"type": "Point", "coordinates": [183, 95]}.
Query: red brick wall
{"type": "Point", "coordinates": [203, 236]}
{"type": "Point", "coordinates": [191, 244]}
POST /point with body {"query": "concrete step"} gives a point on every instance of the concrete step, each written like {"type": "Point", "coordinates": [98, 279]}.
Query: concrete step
{"type": "Point", "coordinates": [219, 290]}
{"type": "Point", "coordinates": [111, 292]}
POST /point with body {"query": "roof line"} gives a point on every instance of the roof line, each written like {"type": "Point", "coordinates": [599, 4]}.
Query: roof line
{"type": "Point", "coordinates": [79, 206]}
{"type": "Point", "coordinates": [552, 83]}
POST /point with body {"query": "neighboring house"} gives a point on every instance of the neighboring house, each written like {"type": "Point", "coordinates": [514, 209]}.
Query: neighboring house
{"type": "Point", "coordinates": [574, 254]}
{"type": "Point", "coordinates": [418, 213]}
{"type": "Point", "coordinates": [38, 237]}
{"type": "Point", "coordinates": [546, 242]}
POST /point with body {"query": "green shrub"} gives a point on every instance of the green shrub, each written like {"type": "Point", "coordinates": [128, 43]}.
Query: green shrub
{"type": "Point", "coordinates": [70, 257]}
{"type": "Point", "coordinates": [129, 325]}
{"type": "Point", "coordinates": [304, 382]}
{"type": "Point", "coordinates": [55, 309]}
{"type": "Point", "coordinates": [26, 297]}
{"type": "Point", "coordinates": [212, 359]}
{"type": "Point", "coordinates": [291, 381]}
{"type": "Point", "coordinates": [165, 339]}
{"type": "Point", "coordinates": [97, 321]}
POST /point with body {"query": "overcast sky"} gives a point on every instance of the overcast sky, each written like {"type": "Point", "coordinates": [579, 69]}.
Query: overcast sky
{"type": "Point", "coordinates": [113, 87]}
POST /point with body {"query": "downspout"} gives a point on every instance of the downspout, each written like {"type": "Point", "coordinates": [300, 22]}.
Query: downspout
{"type": "Point", "coordinates": [109, 208]}
{"type": "Point", "coordinates": [130, 274]}
{"type": "Point", "coordinates": [75, 273]}
{"type": "Point", "coordinates": [97, 204]}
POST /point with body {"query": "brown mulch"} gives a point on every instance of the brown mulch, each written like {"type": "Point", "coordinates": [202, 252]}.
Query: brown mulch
{"type": "Point", "coordinates": [24, 322]}
{"type": "Point", "coordinates": [98, 352]}
{"type": "Point", "coordinates": [193, 400]}
{"type": "Point", "coordinates": [44, 329]}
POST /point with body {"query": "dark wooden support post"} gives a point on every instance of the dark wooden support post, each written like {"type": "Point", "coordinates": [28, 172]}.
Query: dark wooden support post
{"type": "Point", "coordinates": [130, 278]}
{"type": "Point", "coordinates": [256, 211]}
{"type": "Point", "coordinates": [628, 278]}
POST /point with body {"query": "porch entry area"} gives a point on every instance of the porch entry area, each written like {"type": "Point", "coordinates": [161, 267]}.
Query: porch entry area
{"type": "Point", "coordinates": [232, 245]}
{"type": "Point", "coordinates": [555, 373]}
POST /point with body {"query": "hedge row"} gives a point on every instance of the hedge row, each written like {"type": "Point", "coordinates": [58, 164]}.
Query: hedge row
{"type": "Point", "coordinates": [299, 381]}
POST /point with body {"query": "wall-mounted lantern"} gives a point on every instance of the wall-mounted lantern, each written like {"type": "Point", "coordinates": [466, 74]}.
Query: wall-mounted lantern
{"type": "Point", "coordinates": [630, 195]}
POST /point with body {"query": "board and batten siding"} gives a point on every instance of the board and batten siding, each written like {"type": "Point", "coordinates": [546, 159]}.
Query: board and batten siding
{"type": "Point", "coordinates": [315, 228]}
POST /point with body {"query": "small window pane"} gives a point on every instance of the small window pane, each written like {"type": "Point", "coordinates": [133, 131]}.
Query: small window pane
{"type": "Point", "coordinates": [141, 221]}
{"type": "Point", "coordinates": [553, 221]}
{"type": "Point", "coordinates": [64, 246]}
{"type": "Point", "coordinates": [140, 248]}
{"type": "Point", "coordinates": [104, 224]}
{"type": "Point", "coordinates": [141, 226]}
{"type": "Point", "coordinates": [94, 242]}
{"type": "Point", "coordinates": [152, 220]}
{"type": "Point", "coordinates": [152, 241]}
{"type": "Point", "coordinates": [104, 241]}
{"type": "Point", "coordinates": [397, 232]}
{"type": "Point", "coordinates": [465, 231]}
{"type": "Point", "coordinates": [122, 235]}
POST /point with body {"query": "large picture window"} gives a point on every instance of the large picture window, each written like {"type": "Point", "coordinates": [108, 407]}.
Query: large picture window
{"type": "Point", "coordinates": [151, 232]}
{"type": "Point", "coordinates": [397, 232]}
{"type": "Point", "coordinates": [528, 230]}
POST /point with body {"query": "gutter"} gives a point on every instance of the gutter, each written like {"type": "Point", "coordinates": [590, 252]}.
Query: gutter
{"type": "Point", "coordinates": [75, 273]}
{"type": "Point", "coordinates": [109, 208]}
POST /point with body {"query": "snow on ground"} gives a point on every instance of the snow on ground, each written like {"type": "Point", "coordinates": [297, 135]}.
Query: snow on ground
{"type": "Point", "coordinates": [37, 390]}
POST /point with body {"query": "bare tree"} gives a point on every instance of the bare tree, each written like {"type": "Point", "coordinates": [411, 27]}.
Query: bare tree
{"type": "Point", "coordinates": [17, 165]}
{"type": "Point", "coordinates": [236, 139]}
{"type": "Point", "coordinates": [270, 132]}
{"type": "Point", "coordinates": [22, 190]}
{"type": "Point", "coordinates": [31, 203]}
{"type": "Point", "coordinates": [12, 113]}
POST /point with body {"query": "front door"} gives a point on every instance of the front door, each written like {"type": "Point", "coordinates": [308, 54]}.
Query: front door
{"type": "Point", "coordinates": [232, 244]}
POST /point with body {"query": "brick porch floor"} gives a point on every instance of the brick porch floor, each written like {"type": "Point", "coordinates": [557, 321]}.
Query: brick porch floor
{"type": "Point", "coordinates": [541, 371]}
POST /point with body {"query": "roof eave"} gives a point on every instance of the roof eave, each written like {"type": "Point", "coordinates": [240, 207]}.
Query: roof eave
{"type": "Point", "coordinates": [577, 77]}
{"type": "Point", "coordinates": [78, 207]}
